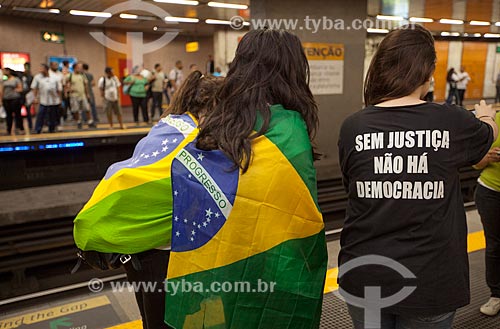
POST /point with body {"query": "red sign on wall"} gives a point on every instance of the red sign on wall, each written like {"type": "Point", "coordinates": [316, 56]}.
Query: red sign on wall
{"type": "Point", "coordinates": [14, 61]}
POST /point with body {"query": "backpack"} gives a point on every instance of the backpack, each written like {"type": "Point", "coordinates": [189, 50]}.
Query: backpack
{"type": "Point", "coordinates": [126, 88]}
{"type": "Point", "coordinates": [169, 84]}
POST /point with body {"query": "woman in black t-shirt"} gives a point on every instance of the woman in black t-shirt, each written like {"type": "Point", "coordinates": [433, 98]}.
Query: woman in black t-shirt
{"type": "Point", "coordinates": [403, 259]}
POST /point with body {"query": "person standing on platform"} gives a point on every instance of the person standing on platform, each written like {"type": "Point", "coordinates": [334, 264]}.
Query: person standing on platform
{"type": "Point", "coordinates": [176, 78]}
{"type": "Point", "coordinates": [47, 90]}
{"type": "Point", "coordinates": [488, 205]}
{"type": "Point", "coordinates": [77, 87]}
{"type": "Point", "coordinates": [65, 68]}
{"type": "Point", "coordinates": [90, 88]}
{"type": "Point", "coordinates": [109, 86]}
{"type": "Point", "coordinates": [452, 79]}
{"type": "Point", "coordinates": [158, 84]}
{"type": "Point", "coordinates": [65, 71]}
{"type": "Point", "coordinates": [137, 89]}
{"type": "Point", "coordinates": [256, 218]}
{"type": "Point", "coordinates": [12, 101]}
{"type": "Point", "coordinates": [55, 73]}
{"type": "Point", "coordinates": [463, 80]}
{"type": "Point", "coordinates": [400, 159]}
{"type": "Point", "coordinates": [210, 66]}
{"type": "Point", "coordinates": [138, 221]}
{"type": "Point", "coordinates": [27, 79]}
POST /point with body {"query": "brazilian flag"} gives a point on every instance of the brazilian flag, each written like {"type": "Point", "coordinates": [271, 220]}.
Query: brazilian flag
{"type": "Point", "coordinates": [130, 211]}
{"type": "Point", "coordinates": [248, 250]}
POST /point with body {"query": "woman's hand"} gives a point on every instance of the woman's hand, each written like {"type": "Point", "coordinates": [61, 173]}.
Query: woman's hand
{"type": "Point", "coordinates": [484, 110]}
{"type": "Point", "coordinates": [494, 155]}
{"type": "Point", "coordinates": [487, 114]}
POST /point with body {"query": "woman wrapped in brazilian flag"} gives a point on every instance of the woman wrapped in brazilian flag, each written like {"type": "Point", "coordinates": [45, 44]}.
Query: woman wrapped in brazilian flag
{"type": "Point", "coordinates": [248, 241]}
{"type": "Point", "coordinates": [128, 219]}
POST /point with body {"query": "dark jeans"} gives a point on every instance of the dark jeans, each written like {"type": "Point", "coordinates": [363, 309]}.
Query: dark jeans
{"type": "Point", "coordinates": [393, 321]}
{"type": "Point", "coordinates": [157, 103]}
{"type": "Point", "coordinates": [143, 104]}
{"type": "Point", "coordinates": [461, 94]}
{"type": "Point", "coordinates": [488, 206]}
{"type": "Point", "coordinates": [52, 114]}
{"type": "Point", "coordinates": [497, 97]}
{"type": "Point", "coordinates": [13, 111]}
{"type": "Point", "coordinates": [154, 270]}
{"type": "Point", "coordinates": [93, 109]}
{"type": "Point", "coordinates": [167, 96]}
{"type": "Point", "coordinates": [452, 94]}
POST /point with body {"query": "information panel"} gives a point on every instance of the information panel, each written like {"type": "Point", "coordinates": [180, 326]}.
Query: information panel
{"type": "Point", "coordinates": [326, 62]}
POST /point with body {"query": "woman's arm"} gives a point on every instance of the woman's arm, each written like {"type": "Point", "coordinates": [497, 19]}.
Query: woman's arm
{"type": "Point", "coordinates": [19, 87]}
{"type": "Point", "coordinates": [487, 114]}
{"type": "Point", "coordinates": [493, 155]}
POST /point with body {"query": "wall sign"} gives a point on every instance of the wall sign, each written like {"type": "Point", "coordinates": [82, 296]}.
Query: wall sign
{"type": "Point", "coordinates": [326, 62]}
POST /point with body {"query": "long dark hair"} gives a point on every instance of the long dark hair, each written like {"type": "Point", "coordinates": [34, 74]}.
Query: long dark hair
{"type": "Point", "coordinates": [196, 95]}
{"type": "Point", "coordinates": [450, 74]}
{"type": "Point", "coordinates": [405, 60]}
{"type": "Point", "coordinates": [269, 67]}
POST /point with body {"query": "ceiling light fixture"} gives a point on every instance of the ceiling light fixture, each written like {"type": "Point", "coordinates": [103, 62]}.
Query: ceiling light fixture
{"type": "Point", "coordinates": [451, 21]}
{"type": "Point", "coordinates": [90, 13]}
{"type": "Point", "coordinates": [181, 19]}
{"type": "Point", "coordinates": [226, 5]}
{"type": "Point", "coordinates": [180, 2]}
{"type": "Point", "coordinates": [450, 34]}
{"type": "Point", "coordinates": [389, 18]}
{"type": "Point", "coordinates": [221, 22]}
{"type": "Point", "coordinates": [382, 31]}
{"type": "Point", "coordinates": [421, 20]}
{"type": "Point", "coordinates": [480, 23]}
{"type": "Point", "coordinates": [128, 16]}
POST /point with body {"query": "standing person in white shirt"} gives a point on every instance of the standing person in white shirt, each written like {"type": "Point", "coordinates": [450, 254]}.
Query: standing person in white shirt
{"type": "Point", "coordinates": [55, 73]}
{"type": "Point", "coordinates": [108, 85]}
{"type": "Point", "coordinates": [176, 78]}
{"type": "Point", "coordinates": [47, 90]}
{"type": "Point", "coordinates": [463, 80]}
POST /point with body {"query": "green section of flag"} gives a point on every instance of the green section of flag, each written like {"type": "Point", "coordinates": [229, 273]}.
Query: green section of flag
{"type": "Point", "coordinates": [297, 266]}
{"type": "Point", "coordinates": [128, 221]}
{"type": "Point", "coordinates": [288, 131]}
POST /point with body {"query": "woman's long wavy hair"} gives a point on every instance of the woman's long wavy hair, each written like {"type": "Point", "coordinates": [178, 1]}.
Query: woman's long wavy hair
{"type": "Point", "coordinates": [270, 67]}
{"type": "Point", "coordinates": [404, 61]}
{"type": "Point", "coordinates": [196, 95]}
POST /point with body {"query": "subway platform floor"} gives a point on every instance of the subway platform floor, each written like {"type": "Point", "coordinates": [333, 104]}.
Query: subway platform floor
{"type": "Point", "coordinates": [83, 309]}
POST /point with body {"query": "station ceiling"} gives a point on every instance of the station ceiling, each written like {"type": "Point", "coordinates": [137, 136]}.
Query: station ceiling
{"type": "Point", "coordinates": [146, 22]}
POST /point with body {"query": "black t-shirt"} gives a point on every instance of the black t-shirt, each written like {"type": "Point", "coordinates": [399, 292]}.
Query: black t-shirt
{"type": "Point", "coordinates": [400, 169]}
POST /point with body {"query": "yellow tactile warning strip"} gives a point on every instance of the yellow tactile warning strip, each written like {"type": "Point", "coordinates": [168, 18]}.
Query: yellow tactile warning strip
{"type": "Point", "coordinates": [137, 324]}
{"type": "Point", "coordinates": [475, 242]}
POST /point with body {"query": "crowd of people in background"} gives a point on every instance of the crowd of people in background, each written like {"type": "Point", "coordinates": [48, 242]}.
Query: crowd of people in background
{"type": "Point", "coordinates": [59, 95]}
